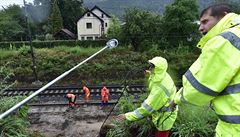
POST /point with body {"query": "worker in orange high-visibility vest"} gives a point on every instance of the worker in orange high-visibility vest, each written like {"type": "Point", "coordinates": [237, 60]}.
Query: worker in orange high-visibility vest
{"type": "Point", "coordinates": [104, 94]}
{"type": "Point", "coordinates": [86, 91]}
{"type": "Point", "coordinates": [71, 99]}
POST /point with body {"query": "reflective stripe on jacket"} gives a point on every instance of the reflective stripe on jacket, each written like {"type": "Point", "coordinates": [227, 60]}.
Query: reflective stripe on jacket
{"type": "Point", "coordinates": [215, 75]}
{"type": "Point", "coordinates": [162, 90]}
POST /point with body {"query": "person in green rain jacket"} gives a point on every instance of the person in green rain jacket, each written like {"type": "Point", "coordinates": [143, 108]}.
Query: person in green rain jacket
{"type": "Point", "coordinates": [162, 90]}
{"type": "Point", "coordinates": [215, 76]}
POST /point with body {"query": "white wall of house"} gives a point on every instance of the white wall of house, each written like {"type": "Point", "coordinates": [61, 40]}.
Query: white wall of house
{"type": "Point", "coordinates": [104, 18]}
{"type": "Point", "coordinates": [85, 32]}
{"type": "Point", "coordinates": [95, 31]}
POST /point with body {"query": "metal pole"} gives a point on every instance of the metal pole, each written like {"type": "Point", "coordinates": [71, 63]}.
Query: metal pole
{"type": "Point", "coordinates": [34, 67]}
{"type": "Point", "coordinates": [110, 44]}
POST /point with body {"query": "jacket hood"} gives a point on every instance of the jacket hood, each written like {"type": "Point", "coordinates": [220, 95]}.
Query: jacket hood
{"type": "Point", "coordinates": [104, 88]}
{"type": "Point", "coordinates": [160, 69]}
{"type": "Point", "coordinates": [228, 21]}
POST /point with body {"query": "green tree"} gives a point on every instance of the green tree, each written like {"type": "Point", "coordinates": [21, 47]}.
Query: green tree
{"type": "Point", "coordinates": [114, 30]}
{"type": "Point", "coordinates": [56, 20]}
{"type": "Point", "coordinates": [140, 27]}
{"type": "Point", "coordinates": [178, 22]}
{"type": "Point", "coordinates": [17, 14]}
{"type": "Point", "coordinates": [10, 29]}
{"type": "Point", "coordinates": [71, 11]}
{"type": "Point", "coordinates": [12, 24]}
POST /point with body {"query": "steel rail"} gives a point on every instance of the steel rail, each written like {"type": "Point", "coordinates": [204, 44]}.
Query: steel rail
{"type": "Point", "coordinates": [75, 90]}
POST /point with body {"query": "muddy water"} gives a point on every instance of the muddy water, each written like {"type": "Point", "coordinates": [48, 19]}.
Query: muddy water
{"type": "Point", "coordinates": [83, 121]}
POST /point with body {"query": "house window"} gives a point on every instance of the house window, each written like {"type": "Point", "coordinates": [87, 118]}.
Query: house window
{"type": "Point", "coordinates": [105, 24]}
{"type": "Point", "coordinates": [88, 14]}
{"type": "Point", "coordinates": [82, 38]}
{"type": "Point", "coordinates": [102, 15]}
{"type": "Point", "coordinates": [89, 38]}
{"type": "Point", "coordinates": [89, 25]}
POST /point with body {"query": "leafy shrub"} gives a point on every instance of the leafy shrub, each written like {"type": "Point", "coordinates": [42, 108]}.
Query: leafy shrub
{"type": "Point", "coordinates": [24, 50]}
{"type": "Point", "coordinates": [23, 73]}
{"type": "Point", "coordinates": [49, 37]}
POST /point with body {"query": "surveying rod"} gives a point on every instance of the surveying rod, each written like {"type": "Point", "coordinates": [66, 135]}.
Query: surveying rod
{"type": "Point", "coordinates": [110, 44]}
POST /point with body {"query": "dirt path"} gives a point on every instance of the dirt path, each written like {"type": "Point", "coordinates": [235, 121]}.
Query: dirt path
{"type": "Point", "coordinates": [84, 121]}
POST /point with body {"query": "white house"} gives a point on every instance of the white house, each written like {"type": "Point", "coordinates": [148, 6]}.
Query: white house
{"type": "Point", "coordinates": [93, 24]}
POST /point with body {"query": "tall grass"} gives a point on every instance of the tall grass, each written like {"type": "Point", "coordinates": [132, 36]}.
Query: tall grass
{"type": "Point", "coordinates": [16, 124]}
{"type": "Point", "coordinates": [195, 121]}
{"type": "Point", "coordinates": [78, 50]}
{"type": "Point", "coordinates": [4, 54]}
{"type": "Point", "coordinates": [5, 75]}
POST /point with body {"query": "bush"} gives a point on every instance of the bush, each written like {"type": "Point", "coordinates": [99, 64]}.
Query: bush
{"type": "Point", "coordinates": [49, 37]}
{"type": "Point", "coordinates": [24, 50]}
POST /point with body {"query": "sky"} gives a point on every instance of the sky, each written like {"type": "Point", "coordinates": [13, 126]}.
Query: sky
{"type": "Point", "coordinates": [5, 3]}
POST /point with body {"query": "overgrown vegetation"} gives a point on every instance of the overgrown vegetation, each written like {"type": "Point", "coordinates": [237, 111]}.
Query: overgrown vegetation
{"type": "Point", "coordinates": [141, 128]}
{"type": "Point", "coordinates": [15, 125]}
{"type": "Point", "coordinates": [192, 121]}
{"type": "Point", "coordinates": [195, 121]}
{"type": "Point", "coordinates": [5, 75]}
{"type": "Point", "coordinates": [108, 67]}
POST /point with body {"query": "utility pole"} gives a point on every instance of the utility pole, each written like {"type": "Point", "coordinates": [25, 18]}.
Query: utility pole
{"type": "Point", "coordinates": [30, 42]}
{"type": "Point", "coordinates": [3, 8]}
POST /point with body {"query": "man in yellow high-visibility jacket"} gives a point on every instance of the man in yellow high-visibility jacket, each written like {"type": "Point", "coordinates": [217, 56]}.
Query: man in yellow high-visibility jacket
{"type": "Point", "coordinates": [162, 90]}
{"type": "Point", "coordinates": [215, 76]}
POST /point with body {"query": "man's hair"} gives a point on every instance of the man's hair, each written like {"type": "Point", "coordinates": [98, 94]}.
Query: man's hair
{"type": "Point", "coordinates": [217, 10]}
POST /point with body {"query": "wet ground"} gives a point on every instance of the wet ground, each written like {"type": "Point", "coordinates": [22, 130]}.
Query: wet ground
{"type": "Point", "coordinates": [83, 121]}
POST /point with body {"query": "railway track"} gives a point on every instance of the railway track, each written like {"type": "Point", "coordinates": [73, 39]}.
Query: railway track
{"type": "Point", "coordinates": [53, 99]}
{"type": "Point", "coordinates": [52, 91]}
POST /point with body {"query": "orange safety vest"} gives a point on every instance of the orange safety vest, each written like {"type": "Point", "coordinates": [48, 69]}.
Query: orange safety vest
{"type": "Point", "coordinates": [86, 91]}
{"type": "Point", "coordinates": [104, 94]}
